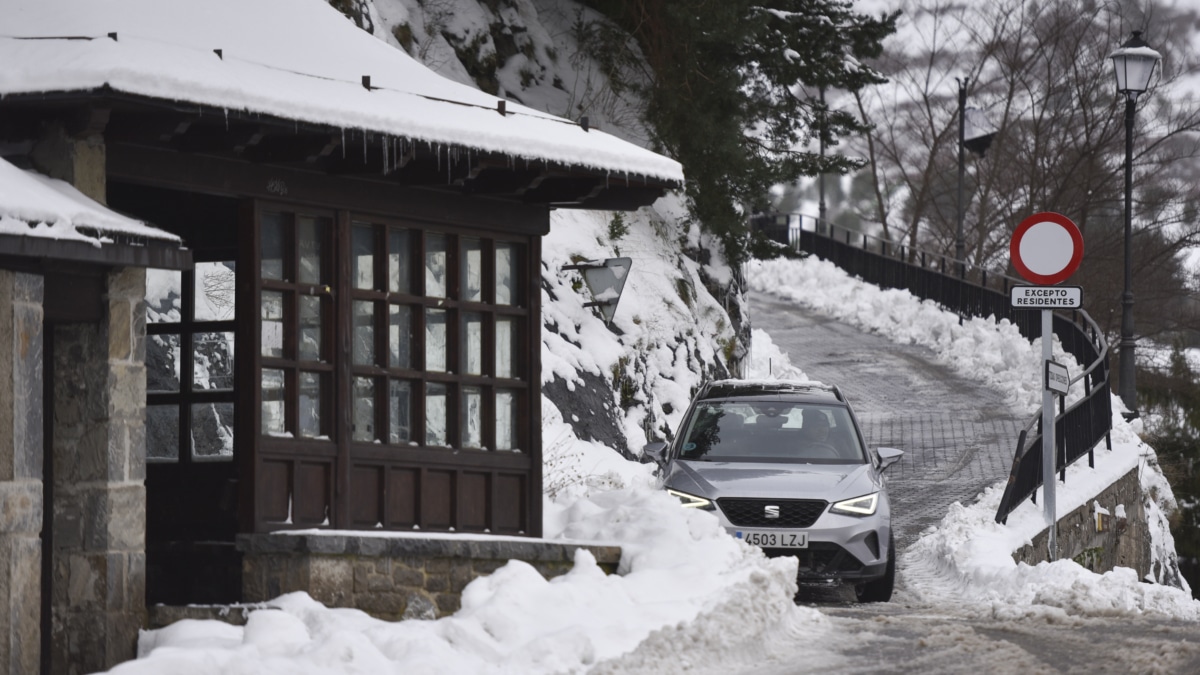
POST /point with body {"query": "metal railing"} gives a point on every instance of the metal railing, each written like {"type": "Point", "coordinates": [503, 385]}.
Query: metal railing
{"type": "Point", "coordinates": [975, 292]}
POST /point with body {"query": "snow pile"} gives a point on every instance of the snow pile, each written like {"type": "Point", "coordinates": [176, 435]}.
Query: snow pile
{"type": "Point", "coordinates": [981, 349]}
{"type": "Point", "coordinates": [678, 568]}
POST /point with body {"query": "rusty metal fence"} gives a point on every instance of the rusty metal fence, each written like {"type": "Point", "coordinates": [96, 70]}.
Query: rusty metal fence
{"type": "Point", "coordinates": [970, 291]}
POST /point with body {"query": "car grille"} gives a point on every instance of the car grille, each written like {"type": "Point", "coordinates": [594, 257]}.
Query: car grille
{"type": "Point", "coordinates": [820, 558]}
{"type": "Point", "coordinates": [753, 512]}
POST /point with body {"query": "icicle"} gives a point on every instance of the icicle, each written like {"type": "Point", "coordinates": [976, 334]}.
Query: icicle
{"type": "Point", "coordinates": [226, 111]}
{"type": "Point", "coordinates": [383, 146]}
{"type": "Point", "coordinates": [343, 142]}
{"type": "Point", "coordinates": [364, 133]}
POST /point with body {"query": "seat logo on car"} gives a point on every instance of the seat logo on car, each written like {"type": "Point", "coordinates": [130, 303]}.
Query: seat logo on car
{"type": "Point", "coordinates": [771, 511]}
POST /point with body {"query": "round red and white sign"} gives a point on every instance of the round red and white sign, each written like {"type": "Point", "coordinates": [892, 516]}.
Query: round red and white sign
{"type": "Point", "coordinates": [1046, 248]}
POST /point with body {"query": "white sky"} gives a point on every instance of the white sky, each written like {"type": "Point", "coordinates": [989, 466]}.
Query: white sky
{"type": "Point", "coordinates": [683, 580]}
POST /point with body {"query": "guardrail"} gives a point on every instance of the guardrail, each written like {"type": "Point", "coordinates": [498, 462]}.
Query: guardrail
{"type": "Point", "coordinates": [972, 291]}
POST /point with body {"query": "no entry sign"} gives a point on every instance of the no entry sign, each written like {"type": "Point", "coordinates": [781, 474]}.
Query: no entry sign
{"type": "Point", "coordinates": [1046, 248]}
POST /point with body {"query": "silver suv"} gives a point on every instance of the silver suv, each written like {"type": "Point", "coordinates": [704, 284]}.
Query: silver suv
{"type": "Point", "coordinates": [784, 467]}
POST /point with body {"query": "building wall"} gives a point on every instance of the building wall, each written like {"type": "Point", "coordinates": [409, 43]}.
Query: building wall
{"type": "Point", "coordinates": [97, 445]}
{"type": "Point", "coordinates": [20, 471]}
{"type": "Point", "coordinates": [99, 496]}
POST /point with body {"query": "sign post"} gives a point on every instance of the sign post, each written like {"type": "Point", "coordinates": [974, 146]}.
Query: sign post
{"type": "Point", "coordinates": [1046, 249]}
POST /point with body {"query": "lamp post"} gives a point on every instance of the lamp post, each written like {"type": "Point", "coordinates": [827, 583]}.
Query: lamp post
{"type": "Point", "coordinates": [1134, 65]}
{"type": "Point", "coordinates": [821, 177]}
{"type": "Point", "coordinates": [959, 244]}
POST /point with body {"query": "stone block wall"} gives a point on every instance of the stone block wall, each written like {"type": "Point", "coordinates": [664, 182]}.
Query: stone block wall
{"type": "Point", "coordinates": [99, 563]}
{"type": "Point", "coordinates": [21, 320]}
{"type": "Point", "coordinates": [392, 578]}
{"type": "Point", "coordinates": [1101, 547]}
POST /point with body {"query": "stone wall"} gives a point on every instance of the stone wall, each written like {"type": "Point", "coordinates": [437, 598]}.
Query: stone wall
{"type": "Point", "coordinates": [99, 562]}
{"type": "Point", "coordinates": [392, 578]}
{"type": "Point", "coordinates": [1100, 544]}
{"type": "Point", "coordinates": [20, 471]}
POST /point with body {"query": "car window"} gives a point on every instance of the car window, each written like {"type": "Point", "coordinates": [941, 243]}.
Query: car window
{"type": "Point", "coordinates": [771, 431]}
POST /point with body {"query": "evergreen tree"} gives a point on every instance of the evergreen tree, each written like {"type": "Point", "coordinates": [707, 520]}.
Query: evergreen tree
{"type": "Point", "coordinates": [732, 92]}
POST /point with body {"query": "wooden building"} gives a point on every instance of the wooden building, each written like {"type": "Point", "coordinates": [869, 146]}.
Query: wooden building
{"type": "Point", "coordinates": [347, 338]}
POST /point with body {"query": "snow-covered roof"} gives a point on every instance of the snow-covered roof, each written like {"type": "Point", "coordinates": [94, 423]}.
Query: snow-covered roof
{"type": "Point", "coordinates": [296, 59]}
{"type": "Point", "coordinates": [32, 205]}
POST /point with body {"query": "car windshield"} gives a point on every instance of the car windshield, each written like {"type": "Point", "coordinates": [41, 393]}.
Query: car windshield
{"type": "Point", "coordinates": [771, 431]}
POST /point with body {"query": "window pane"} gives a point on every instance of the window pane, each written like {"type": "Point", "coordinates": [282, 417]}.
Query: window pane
{"type": "Point", "coordinates": [214, 291]}
{"type": "Point", "coordinates": [364, 409]}
{"type": "Point", "coordinates": [506, 419]}
{"type": "Point", "coordinates": [212, 431]}
{"type": "Point", "coordinates": [472, 271]}
{"type": "Point", "coordinates": [506, 274]}
{"type": "Point", "coordinates": [272, 323]}
{"type": "Point", "coordinates": [272, 403]}
{"type": "Point", "coordinates": [162, 363]}
{"type": "Point", "coordinates": [435, 265]}
{"type": "Point", "coordinates": [472, 417]}
{"type": "Point", "coordinates": [310, 405]}
{"type": "Point", "coordinates": [310, 237]}
{"type": "Point", "coordinates": [311, 311]}
{"type": "Point", "coordinates": [435, 414]}
{"type": "Point", "coordinates": [212, 367]}
{"type": "Point", "coordinates": [399, 263]}
{"type": "Point", "coordinates": [272, 236]}
{"type": "Point", "coordinates": [362, 256]}
{"type": "Point", "coordinates": [506, 341]}
{"type": "Point", "coordinates": [163, 291]}
{"type": "Point", "coordinates": [364, 332]}
{"type": "Point", "coordinates": [400, 336]}
{"type": "Point", "coordinates": [472, 343]}
{"type": "Point", "coordinates": [162, 433]}
{"type": "Point", "coordinates": [435, 340]}
{"type": "Point", "coordinates": [400, 407]}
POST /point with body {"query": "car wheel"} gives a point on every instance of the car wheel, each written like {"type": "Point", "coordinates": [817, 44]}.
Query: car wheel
{"type": "Point", "coordinates": [880, 590]}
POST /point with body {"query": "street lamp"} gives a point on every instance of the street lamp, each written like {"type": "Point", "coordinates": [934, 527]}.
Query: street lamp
{"type": "Point", "coordinates": [959, 243]}
{"type": "Point", "coordinates": [973, 136]}
{"type": "Point", "coordinates": [1134, 65]}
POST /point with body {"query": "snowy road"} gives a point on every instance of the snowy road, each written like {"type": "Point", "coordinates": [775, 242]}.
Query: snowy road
{"type": "Point", "coordinates": [958, 436]}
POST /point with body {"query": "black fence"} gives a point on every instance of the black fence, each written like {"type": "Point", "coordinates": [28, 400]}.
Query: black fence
{"type": "Point", "coordinates": [973, 292]}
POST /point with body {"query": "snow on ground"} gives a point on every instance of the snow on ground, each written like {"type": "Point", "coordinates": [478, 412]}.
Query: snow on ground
{"type": "Point", "coordinates": [689, 597]}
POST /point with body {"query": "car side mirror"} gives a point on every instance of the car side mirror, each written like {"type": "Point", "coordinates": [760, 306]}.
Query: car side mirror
{"type": "Point", "coordinates": [888, 456]}
{"type": "Point", "coordinates": [657, 452]}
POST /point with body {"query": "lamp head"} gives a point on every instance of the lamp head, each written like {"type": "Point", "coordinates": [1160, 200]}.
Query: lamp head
{"type": "Point", "coordinates": [1134, 65]}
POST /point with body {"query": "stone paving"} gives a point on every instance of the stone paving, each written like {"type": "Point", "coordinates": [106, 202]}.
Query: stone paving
{"type": "Point", "coordinates": [958, 435]}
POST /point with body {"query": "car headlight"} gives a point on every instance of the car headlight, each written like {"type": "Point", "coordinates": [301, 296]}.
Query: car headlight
{"type": "Point", "coordinates": [692, 501]}
{"type": "Point", "coordinates": [859, 506]}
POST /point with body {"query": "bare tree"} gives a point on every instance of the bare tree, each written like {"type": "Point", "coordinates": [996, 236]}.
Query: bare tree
{"type": "Point", "coordinates": [1041, 73]}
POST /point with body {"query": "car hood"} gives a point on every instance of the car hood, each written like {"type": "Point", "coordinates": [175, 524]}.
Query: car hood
{"type": "Point", "coordinates": [831, 482]}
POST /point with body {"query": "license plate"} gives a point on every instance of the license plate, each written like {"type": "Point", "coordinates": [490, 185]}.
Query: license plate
{"type": "Point", "coordinates": [776, 539]}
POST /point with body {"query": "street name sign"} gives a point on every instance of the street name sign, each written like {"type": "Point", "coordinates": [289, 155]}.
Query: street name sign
{"type": "Point", "coordinates": [1046, 297]}
{"type": "Point", "coordinates": [1058, 380]}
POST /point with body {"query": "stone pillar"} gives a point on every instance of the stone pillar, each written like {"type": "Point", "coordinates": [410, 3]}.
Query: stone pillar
{"type": "Point", "coordinates": [20, 471]}
{"type": "Point", "coordinates": [79, 159]}
{"type": "Point", "coordinates": [99, 597]}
